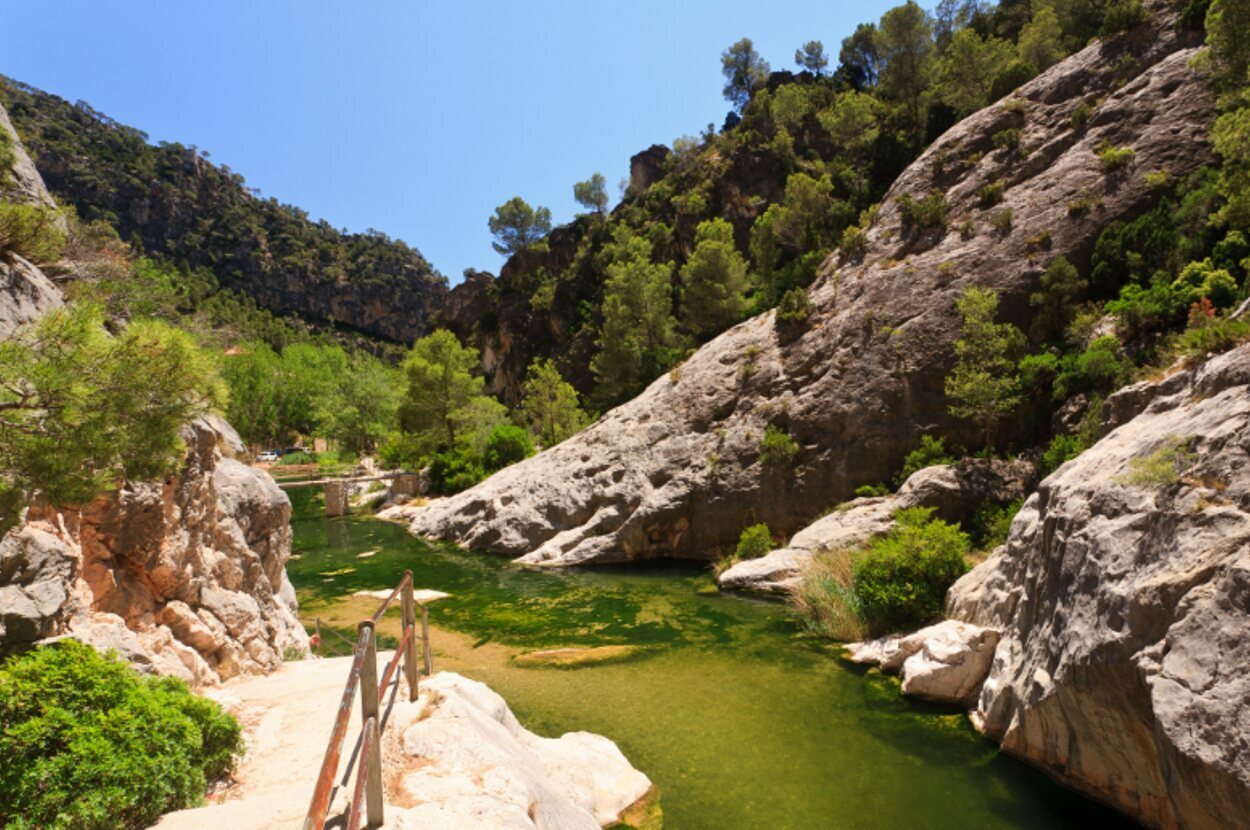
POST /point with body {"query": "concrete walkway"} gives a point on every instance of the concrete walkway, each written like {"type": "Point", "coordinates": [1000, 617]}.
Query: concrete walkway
{"type": "Point", "coordinates": [287, 717]}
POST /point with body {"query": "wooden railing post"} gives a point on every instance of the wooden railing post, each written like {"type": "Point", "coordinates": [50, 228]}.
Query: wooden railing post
{"type": "Point", "coordinates": [410, 649]}
{"type": "Point", "coordinates": [426, 651]}
{"type": "Point", "coordinates": [369, 719]}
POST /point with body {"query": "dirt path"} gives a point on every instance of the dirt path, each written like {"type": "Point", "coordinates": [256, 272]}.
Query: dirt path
{"type": "Point", "coordinates": [287, 717]}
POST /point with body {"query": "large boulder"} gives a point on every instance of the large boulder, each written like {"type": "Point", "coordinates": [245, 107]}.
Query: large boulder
{"type": "Point", "coordinates": [677, 471]}
{"type": "Point", "coordinates": [1123, 601]}
{"type": "Point", "coordinates": [954, 491]}
{"type": "Point", "coordinates": [944, 663]}
{"type": "Point", "coordinates": [468, 763]}
{"type": "Point", "coordinates": [184, 576]}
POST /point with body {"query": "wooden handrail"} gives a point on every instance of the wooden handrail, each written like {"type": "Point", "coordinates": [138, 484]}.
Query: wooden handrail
{"type": "Point", "coordinates": [364, 674]}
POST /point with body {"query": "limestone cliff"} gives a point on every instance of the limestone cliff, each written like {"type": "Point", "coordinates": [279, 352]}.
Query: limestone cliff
{"type": "Point", "coordinates": [677, 470]}
{"type": "Point", "coordinates": [184, 577]}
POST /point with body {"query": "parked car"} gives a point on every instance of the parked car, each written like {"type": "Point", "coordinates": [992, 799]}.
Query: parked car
{"type": "Point", "coordinates": [268, 456]}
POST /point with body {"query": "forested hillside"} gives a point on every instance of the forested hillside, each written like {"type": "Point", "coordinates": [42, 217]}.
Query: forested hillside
{"type": "Point", "coordinates": [170, 201]}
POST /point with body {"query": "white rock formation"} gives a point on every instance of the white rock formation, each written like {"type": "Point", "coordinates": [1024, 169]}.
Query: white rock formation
{"type": "Point", "coordinates": [946, 662]}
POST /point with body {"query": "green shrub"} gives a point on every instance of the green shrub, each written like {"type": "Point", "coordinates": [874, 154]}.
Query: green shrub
{"type": "Point", "coordinates": [1116, 158]}
{"type": "Point", "coordinates": [1008, 139]}
{"type": "Point", "coordinates": [1160, 468]}
{"type": "Point", "coordinates": [1121, 15]}
{"type": "Point", "coordinates": [1147, 310]}
{"type": "Point", "coordinates": [991, 524]}
{"type": "Point", "coordinates": [455, 469]}
{"type": "Point", "coordinates": [991, 194]}
{"type": "Point", "coordinates": [1098, 369]}
{"type": "Point", "coordinates": [854, 242]}
{"type": "Point", "coordinates": [506, 444]}
{"type": "Point", "coordinates": [90, 744]}
{"type": "Point", "coordinates": [870, 491]}
{"type": "Point", "coordinates": [1081, 115]}
{"type": "Point", "coordinates": [777, 448]}
{"type": "Point", "coordinates": [31, 232]}
{"type": "Point", "coordinates": [929, 212]}
{"type": "Point", "coordinates": [1062, 449]}
{"type": "Point", "coordinates": [1202, 279]}
{"type": "Point", "coordinates": [794, 307]}
{"type": "Point", "coordinates": [754, 542]}
{"type": "Point", "coordinates": [931, 452]}
{"type": "Point", "coordinates": [902, 579]}
{"type": "Point", "coordinates": [297, 457]}
{"type": "Point", "coordinates": [1206, 336]}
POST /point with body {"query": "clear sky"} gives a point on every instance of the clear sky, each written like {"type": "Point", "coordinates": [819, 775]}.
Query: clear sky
{"type": "Point", "coordinates": [413, 117]}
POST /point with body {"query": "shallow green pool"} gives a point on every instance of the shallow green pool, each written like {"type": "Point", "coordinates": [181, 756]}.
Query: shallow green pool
{"type": "Point", "coordinates": [739, 720]}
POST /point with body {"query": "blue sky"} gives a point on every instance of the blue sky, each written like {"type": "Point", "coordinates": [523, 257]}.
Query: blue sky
{"type": "Point", "coordinates": [413, 117]}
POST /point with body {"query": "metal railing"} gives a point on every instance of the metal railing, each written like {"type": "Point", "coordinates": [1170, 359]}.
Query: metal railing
{"type": "Point", "coordinates": [367, 791]}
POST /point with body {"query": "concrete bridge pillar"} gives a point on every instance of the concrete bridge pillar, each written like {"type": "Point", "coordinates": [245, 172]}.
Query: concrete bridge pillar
{"type": "Point", "coordinates": [336, 498]}
{"type": "Point", "coordinates": [404, 485]}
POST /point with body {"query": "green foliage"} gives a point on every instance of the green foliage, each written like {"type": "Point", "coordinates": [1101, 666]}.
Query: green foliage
{"type": "Point", "coordinates": [854, 242]}
{"type": "Point", "coordinates": [744, 72]}
{"type": "Point", "coordinates": [31, 232]}
{"type": "Point", "coordinates": [1081, 115]}
{"type": "Point", "coordinates": [1099, 369]}
{"type": "Point", "coordinates": [1062, 449]}
{"type": "Point", "coordinates": [455, 469]}
{"type": "Point", "coordinates": [794, 308]}
{"type": "Point", "coordinates": [930, 453]}
{"type": "Point", "coordinates": [1203, 280]}
{"type": "Point", "coordinates": [824, 600]}
{"type": "Point", "coordinates": [1162, 467]}
{"type": "Point", "coordinates": [1116, 158]}
{"type": "Point", "coordinates": [985, 383]}
{"type": "Point", "coordinates": [922, 214]}
{"type": "Point", "coordinates": [80, 409]}
{"type": "Point", "coordinates": [991, 524]}
{"type": "Point", "coordinates": [869, 491]}
{"type": "Point", "coordinates": [1208, 333]}
{"type": "Point", "coordinates": [713, 280]}
{"type": "Point", "coordinates": [1001, 221]}
{"type": "Point", "coordinates": [1040, 44]}
{"type": "Point", "coordinates": [1228, 35]}
{"type": "Point", "coordinates": [1121, 15]}
{"type": "Point", "coordinates": [592, 194]}
{"type": "Point", "coordinates": [1146, 311]}
{"type": "Point", "coordinates": [968, 68]}
{"type": "Point", "coordinates": [549, 406]}
{"type": "Point", "coordinates": [991, 194]}
{"type": "Point", "coordinates": [516, 226]}
{"type": "Point", "coordinates": [1008, 139]}
{"type": "Point", "coordinates": [443, 403]}
{"type": "Point", "coordinates": [506, 444]}
{"type": "Point", "coordinates": [904, 45]}
{"type": "Point", "coordinates": [89, 744]}
{"type": "Point", "coordinates": [902, 578]}
{"type": "Point", "coordinates": [8, 157]}
{"type": "Point", "coordinates": [297, 459]}
{"type": "Point", "coordinates": [811, 57]}
{"type": "Point", "coordinates": [636, 341]}
{"type": "Point", "coordinates": [1062, 289]}
{"type": "Point", "coordinates": [777, 448]}
{"type": "Point", "coordinates": [754, 542]}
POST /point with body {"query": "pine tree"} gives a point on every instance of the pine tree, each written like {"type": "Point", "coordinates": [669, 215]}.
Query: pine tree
{"type": "Point", "coordinates": [985, 383]}
{"type": "Point", "coordinates": [517, 226]}
{"type": "Point", "coordinates": [592, 194]}
{"type": "Point", "coordinates": [713, 280]}
{"type": "Point", "coordinates": [549, 405]}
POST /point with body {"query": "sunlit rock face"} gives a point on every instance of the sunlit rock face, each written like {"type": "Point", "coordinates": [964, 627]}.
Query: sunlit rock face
{"type": "Point", "coordinates": [184, 576]}
{"type": "Point", "coordinates": [677, 471]}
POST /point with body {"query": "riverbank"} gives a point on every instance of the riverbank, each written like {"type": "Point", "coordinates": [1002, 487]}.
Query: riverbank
{"type": "Point", "coordinates": [738, 719]}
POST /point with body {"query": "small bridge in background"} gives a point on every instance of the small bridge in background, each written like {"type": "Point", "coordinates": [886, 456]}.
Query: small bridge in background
{"type": "Point", "coordinates": [336, 489]}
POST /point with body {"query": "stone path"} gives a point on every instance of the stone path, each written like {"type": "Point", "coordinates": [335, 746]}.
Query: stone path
{"type": "Point", "coordinates": [287, 717]}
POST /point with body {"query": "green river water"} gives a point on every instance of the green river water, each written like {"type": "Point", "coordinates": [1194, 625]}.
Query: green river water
{"type": "Point", "coordinates": [739, 720]}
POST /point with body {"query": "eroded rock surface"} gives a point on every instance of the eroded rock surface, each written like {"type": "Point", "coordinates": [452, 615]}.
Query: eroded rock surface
{"type": "Point", "coordinates": [677, 473]}
{"type": "Point", "coordinates": [184, 577]}
{"type": "Point", "coordinates": [945, 663]}
{"type": "Point", "coordinates": [954, 491]}
{"type": "Point", "coordinates": [1124, 607]}
{"type": "Point", "coordinates": [466, 762]}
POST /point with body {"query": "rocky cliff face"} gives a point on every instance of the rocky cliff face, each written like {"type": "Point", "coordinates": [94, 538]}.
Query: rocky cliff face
{"type": "Point", "coordinates": [677, 471]}
{"type": "Point", "coordinates": [25, 292]}
{"type": "Point", "coordinates": [1124, 603]}
{"type": "Point", "coordinates": [184, 577]}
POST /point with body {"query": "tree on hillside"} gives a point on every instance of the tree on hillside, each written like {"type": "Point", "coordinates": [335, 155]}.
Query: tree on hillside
{"type": "Point", "coordinates": [1041, 40]}
{"type": "Point", "coordinates": [967, 70]}
{"type": "Point", "coordinates": [81, 410]}
{"type": "Point", "coordinates": [549, 405]}
{"type": "Point", "coordinates": [365, 404]}
{"type": "Point", "coordinates": [904, 42]}
{"type": "Point", "coordinates": [985, 383]}
{"type": "Point", "coordinates": [517, 226]}
{"type": "Point", "coordinates": [859, 60]}
{"type": "Point", "coordinates": [744, 71]}
{"type": "Point", "coordinates": [713, 280]}
{"type": "Point", "coordinates": [952, 15]}
{"type": "Point", "coordinates": [811, 57]}
{"type": "Point", "coordinates": [636, 340]}
{"type": "Point", "coordinates": [592, 194]}
{"type": "Point", "coordinates": [442, 399]}
{"type": "Point", "coordinates": [253, 372]}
